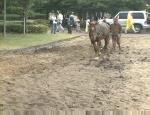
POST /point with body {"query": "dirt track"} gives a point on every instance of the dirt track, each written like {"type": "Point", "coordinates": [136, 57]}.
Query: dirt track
{"type": "Point", "coordinates": [67, 77]}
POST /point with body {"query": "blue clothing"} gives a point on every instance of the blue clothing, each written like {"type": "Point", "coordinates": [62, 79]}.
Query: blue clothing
{"type": "Point", "coordinates": [54, 28]}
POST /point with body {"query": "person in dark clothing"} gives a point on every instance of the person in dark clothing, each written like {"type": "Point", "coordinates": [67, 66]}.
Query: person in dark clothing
{"type": "Point", "coordinates": [116, 29]}
{"type": "Point", "coordinates": [70, 23]}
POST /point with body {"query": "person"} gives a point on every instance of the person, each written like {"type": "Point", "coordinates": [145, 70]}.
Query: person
{"type": "Point", "coordinates": [78, 29]}
{"type": "Point", "coordinates": [54, 24]}
{"type": "Point", "coordinates": [70, 23]}
{"type": "Point", "coordinates": [130, 23]}
{"type": "Point", "coordinates": [87, 24]}
{"type": "Point", "coordinates": [59, 23]}
{"type": "Point", "coordinates": [116, 29]}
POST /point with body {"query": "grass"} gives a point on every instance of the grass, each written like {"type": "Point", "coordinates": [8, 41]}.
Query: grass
{"type": "Point", "coordinates": [14, 41]}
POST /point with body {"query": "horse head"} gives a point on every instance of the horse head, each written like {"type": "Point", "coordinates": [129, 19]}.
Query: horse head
{"type": "Point", "coordinates": [92, 26]}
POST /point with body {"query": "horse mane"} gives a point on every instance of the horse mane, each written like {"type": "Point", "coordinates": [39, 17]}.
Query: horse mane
{"type": "Point", "coordinates": [102, 27]}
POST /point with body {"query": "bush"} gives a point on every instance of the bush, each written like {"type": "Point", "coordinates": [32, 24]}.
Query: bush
{"type": "Point", "coordinates": [37, 22]}
{"type": "Point", "coordinates": [1, 28]}
{"type": "Point", "coordinates": [18, 28]}
{"type": "Point", "coordinates": [41, 21]}
{"type": "Point", "coordinates": [31, 15]}
{"type": "Point", "coordinates": [37, 16]}
{"type": "Point", "coordinates": [14, 10]}
{"type": "Point", "coordinates": [11, 17]}
{"type": "Point", "coordinates": [14, 28]}
{"type": "Point", "coordinates": [39, 28]}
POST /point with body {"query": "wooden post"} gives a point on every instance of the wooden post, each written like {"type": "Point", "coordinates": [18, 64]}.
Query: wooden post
{"type": "Point", "coordinates": [4, 18]}
{"type": "Point", "coordinates": [24, 25]}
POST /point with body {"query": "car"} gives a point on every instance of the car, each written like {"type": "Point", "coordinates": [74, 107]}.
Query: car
{"type": "Point", "coordinates": [141, 19]}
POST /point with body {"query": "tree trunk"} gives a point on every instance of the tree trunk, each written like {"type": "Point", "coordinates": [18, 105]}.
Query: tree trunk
{"type": "Point", "coordinates": [103, 13]}
{"type": "Point", "coordinates": [24, 25]}
{"type": "Point", "coordinates": [25, 21]}
{"type": "Point", "coordinates": [87, 15]}
{"type": "Point", "coordinates": [4, 18]}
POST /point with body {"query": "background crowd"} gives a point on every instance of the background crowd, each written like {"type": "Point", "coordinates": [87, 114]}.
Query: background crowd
{"type": "Point", "coordinates": [57, 22]}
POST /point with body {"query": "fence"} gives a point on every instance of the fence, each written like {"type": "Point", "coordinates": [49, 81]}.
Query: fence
{"type": "Point", "coordinates": [73, 112]}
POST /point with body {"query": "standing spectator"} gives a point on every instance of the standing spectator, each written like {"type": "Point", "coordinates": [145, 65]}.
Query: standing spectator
{"type": "Point", "coordinates": [59, 23]}
{"type": "Point", "coordinates": [87, 25]}
{"type": "Point", "coordinates": [54, 24]}
{"type": "Point", "coordinates": [53, 20]}
{"type": "Point", "coordinates": [70, 23]}
{"type": "Point", "coordinates": [116, 33]}
{"type": "Point", "coordinates": [130, 23]}
{"type": "Point", "coordinates": [78, 29]}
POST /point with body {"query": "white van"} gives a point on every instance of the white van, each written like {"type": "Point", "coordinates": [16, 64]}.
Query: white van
{"type": "Point", "coordinates": [141, 19]}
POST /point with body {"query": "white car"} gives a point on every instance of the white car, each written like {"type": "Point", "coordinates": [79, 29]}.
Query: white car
{"type": "Point", "coordinates": [141, 19]}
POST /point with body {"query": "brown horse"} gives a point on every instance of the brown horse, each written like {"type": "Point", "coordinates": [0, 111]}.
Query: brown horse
{"type": "Point", "coordinates": [97, 32]}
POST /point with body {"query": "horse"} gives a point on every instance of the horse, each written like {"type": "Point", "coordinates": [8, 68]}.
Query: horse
{"type": "Point", "coordinates": [98, 32]}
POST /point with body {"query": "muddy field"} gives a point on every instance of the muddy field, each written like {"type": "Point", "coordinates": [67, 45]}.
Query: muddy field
{"type": "Point", "coordinates": [68, 77]}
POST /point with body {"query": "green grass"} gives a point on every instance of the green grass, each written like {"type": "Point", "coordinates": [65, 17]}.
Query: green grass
{"type": "Point", "coordinates": [14, 41]}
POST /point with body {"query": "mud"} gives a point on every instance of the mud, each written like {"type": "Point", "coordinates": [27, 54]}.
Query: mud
{"type": "Point", "coordinates": [68, 77]}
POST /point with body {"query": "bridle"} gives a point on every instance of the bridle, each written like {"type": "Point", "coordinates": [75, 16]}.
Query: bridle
{"type": "Point", "coordinates": [92, 30]}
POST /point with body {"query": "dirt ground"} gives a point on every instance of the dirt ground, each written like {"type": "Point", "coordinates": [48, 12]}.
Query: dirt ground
{"type": "Point", "coordinates": [68, 77]}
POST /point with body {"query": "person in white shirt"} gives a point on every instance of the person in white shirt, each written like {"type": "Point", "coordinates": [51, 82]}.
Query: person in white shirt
{"type": "Point", "coordinates": [54, 24]}
{"type": "Point", "coordinates": [87, 25]}
{"type": "Point", "coordinates": [59, 21]}
{"type": "Point", "coordinates": [78, 29]}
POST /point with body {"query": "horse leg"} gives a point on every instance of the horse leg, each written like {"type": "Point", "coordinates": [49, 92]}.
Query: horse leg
{"type": "Point", "coordinates": [98, 45]}
{"type": "Point", "coordinates": [107, 44]}
{"type": "Point", "coordinates": [106, 39]}
{"type": "Point", "coordinates": [93, 43]}
{"type": "Point", "coordinates": [114, 42]}
{"type": "Point", "coordinates": [95, 48]}
{"type": "Point", "coordinates": [118, 42]}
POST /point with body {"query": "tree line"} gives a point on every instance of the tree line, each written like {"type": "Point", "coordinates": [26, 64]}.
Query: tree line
{"type": "Point", "coordinates": [24, 7]}
{"type": "Point", "coordinates": [83, 8]}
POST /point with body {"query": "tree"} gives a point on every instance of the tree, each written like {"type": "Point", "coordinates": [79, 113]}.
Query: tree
{"type": "Point", "coordinates": [1, 6]}
{"type": "Point", "coordinates": [135, 4]}
{"type": "Point", "coordinates": [25, 4]}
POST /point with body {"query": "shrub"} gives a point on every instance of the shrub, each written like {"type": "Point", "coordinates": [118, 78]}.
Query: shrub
{"type": "Point", "coordinates": [14, 10]}
{"type": "Point", "coordinates": [1, 28]}
{"type": "Point", "coordinates": [11, 17]}
{"type": "Point", "coordinates": [14, 28]}
{"type": "Point", "coordinates": [41, 21]}
{"type": "Point", "coordinates": [31, 15]}
{"type": "Point", "coordinates": [39, 28]}
{"type": "Point", "coordinates": [37, 16]}
{"type": "Point", "coordinates": [18, 28]}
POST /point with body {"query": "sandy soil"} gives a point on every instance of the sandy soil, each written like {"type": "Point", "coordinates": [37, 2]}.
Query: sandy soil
{"type": "Point", "coordinates": [67, 77]}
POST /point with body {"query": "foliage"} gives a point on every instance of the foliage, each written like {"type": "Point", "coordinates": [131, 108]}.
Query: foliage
{"type": "Point", "coordinates": [13, 28]}
{"type": "Point", "coordinates": [18, 28]}
{"type": "Point", "coordinates": [11, 17]}
{"type": "Point", "coordinates": [39, 9]}
{"type": "Point", "coordinates": [34, 15]}
{"type": "Point", "coordinates": [41, 21]}
{"type": "Point", "coordinates": [1, 6]}
{"type": "Point", "coordinates": [39, 28]}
